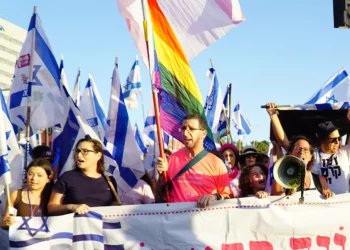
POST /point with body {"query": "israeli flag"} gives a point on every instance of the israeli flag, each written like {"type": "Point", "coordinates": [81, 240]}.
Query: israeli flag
{"type": "Point", "coordinates": [55, 232]}
{"type": "Point", "coordinates": [43, 90]}
{"type": "Point", "coordinates": [92, 108]}
{"type": "Point", "coordinates": [64, 80]}
{"type": "Point", "coordinates": [119, 136]}
{"type": "Point", "coordinates": [241, 122]}
{"type": "Point", "coordinates": [132, 86]}
{"type": "Point", "coordinates": [222, 127]}
{"type": "Point", "coordinates": [138, 138]}
{"type": "Point", "coordinates": [11, 164]}
{"type": "Point", "coordinates": [76, 91]}
{"type": "Point", "coordinates": [336, 89]}
{"type": "Point", "coordinates": [150, 130]}
{"type": "Point", "coordinates": [213, 104]}
{"type": "Point", "coordinates": [75, 128]}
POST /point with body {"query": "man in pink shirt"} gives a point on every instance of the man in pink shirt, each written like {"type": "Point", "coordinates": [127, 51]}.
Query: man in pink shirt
{"type": "Point", "coordinates": [207, 180]}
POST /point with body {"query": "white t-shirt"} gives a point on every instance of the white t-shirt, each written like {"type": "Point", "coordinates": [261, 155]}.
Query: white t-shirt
{"type": "Point", "coordinates": [140, 194]}
{"type": "Point", "coordinates": [335, 168]}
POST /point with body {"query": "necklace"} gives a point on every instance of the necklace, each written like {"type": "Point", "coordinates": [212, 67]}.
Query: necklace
{"type": "Point", "coordinates": [32, 209]}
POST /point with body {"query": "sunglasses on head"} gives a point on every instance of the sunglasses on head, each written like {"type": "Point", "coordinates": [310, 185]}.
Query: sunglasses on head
{"type": "Point", "coordinates": [333, 140]}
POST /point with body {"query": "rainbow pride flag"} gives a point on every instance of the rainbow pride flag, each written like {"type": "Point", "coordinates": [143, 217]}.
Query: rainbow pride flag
{"type": "Point", "coordinates": [179, 94]}
{"type": "Point", "coordinates": [173, 42]}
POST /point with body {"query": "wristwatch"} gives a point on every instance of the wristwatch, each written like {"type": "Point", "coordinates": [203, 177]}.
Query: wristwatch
{"type": "Point", "coordinates": [218, 196]}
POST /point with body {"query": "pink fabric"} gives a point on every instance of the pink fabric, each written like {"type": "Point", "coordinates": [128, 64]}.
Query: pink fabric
{"type": "Point", "coordinates": [208, 176]}
{"type": "Point", "coordinates": [141, 193]}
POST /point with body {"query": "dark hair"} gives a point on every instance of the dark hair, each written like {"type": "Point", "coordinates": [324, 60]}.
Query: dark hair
{"type": "Point", "coordinates": [217, 154]}
{"type": "Point", "coordinates": [46, 193]}
{"type": "Point", "coordinates": [244, 181]}
{"type": "Point", "coordinates": [38, 151]}
{"type": "Point", "coordinates": [97, 148]}
{"type": "Point", "coordinates": [312, 149]}
{"type": "Point", "coordinates": [202, 122]}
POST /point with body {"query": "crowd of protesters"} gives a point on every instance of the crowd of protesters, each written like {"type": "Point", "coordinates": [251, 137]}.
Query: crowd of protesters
{"type": "Point", "coordinates": [193, 174]}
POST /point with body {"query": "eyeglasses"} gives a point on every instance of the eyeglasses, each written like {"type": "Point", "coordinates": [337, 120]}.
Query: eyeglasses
{"type": "Point", "coordinates": [333, 140]}
{"type": "Point", "coordinates": [189, 129]}
{"type": "Point", "coordinates": [83, 151]}
{"type": "Point", "coordinates": [301, 149]}
{"type": "Point", "coordinates": [251, 156]}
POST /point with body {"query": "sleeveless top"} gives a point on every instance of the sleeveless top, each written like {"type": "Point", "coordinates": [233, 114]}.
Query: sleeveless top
{"type": "Point", "coordinates": [23, 209]}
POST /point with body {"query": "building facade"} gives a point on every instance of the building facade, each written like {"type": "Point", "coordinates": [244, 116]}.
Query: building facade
{"type": "Point", "coordinates": [11, 40]}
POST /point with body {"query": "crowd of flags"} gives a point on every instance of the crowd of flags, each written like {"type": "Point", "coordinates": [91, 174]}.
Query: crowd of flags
{"type": "Point", "coordinates": [41, 84]}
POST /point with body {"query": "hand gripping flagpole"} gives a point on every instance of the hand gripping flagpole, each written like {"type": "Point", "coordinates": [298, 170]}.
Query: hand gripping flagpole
{"type": "Point", "coordinates": [26, 153]}
{"type": "Point", "coordinates": [155, 101]}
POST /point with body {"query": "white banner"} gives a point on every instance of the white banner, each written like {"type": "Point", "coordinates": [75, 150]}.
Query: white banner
{"type": "Point", "coordinates": [249, 223]}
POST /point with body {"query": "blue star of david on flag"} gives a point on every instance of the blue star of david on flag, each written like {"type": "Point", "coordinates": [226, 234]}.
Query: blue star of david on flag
{"type": "Point", "coordinates": [8, 133]}
{"type": "Point", "coordinates": [34, 231]}
{"type": "Point", "coordinates": [331, 99]}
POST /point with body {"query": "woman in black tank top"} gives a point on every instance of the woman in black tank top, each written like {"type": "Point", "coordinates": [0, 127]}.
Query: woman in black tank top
{"type": "Point", "coordinates": [33, 200]}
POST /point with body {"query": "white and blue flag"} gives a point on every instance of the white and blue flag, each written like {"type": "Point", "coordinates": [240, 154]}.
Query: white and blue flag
{"type": "Point", "coordinates": [138, 138]}
{"type": "Point", "coordinates": [90, 231]}
{"type": "Point", "coordinates": [11, 165]}
{"type": "Point", "coordinates": [64, 81]}
{"type": "Point", "coordinates": [76, 128]}
{"type": "Point", "coordinates": [44, 89]}
{"type": "Point", "coordinates": [119, 136]}
{"type": "Point", "coordinates": [336, 89]}
{"type": "Point", "coordinates": [91, 107]}
{"type": "Point", "coordinates": [213, 104]}
{"type": "Point", "coordinates": [222, 127]}
{"type": "Point", "coordinates": [241, 122]}
{"type": "Point", "coordinates": [76, 91]}
{"type": "Point", "coordinates": [150, 139]}
{"type": "Point", "coordinates": [132, 86]}
{"type": "Point", "coordinates": [150, 130]}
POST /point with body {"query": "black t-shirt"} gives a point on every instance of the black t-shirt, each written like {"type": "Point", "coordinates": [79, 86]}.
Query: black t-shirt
{"type": "Point", "coordinates": [81, 189]}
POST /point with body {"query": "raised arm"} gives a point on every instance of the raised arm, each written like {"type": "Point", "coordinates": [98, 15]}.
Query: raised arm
{"type": "Point", "coordinates": [277, 128]}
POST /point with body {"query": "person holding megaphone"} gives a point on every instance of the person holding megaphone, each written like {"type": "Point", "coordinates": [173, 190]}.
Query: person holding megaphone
{"type": "Point", "coordinates": [301, 148]}
{"type": "Point", "coordinates": [332, 161]}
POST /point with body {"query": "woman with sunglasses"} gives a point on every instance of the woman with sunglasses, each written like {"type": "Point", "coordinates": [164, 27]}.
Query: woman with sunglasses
{"type": "Point", "coordinates": [249, 156]}
{"type": "Point", "coordinates": [86, 186]}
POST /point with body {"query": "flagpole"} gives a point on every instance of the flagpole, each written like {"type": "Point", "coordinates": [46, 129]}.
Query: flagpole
{"type": "Point", "coordinates": [227, 122]}
{"type": "Point", "coordinates": [26, 153]}
{"type": "Point", "coordinates": [172, 144]}
{"type": "Point", "coordinates": [211, 63]}
{"type": "Point", "coordinates": [143, 109]}
{"type": "Point", "coordinates": [229, 86]}
{"type": "Point", "coordinates": [94, 105]}
{"type": "Point", "coordinates": [155, 99]}
{"type": "Point", "coordinates": [228, 114]}
{"type": "Point", "coordinates": [19, 133]}
{"type": "Point", "coordinates": [9, 204]}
